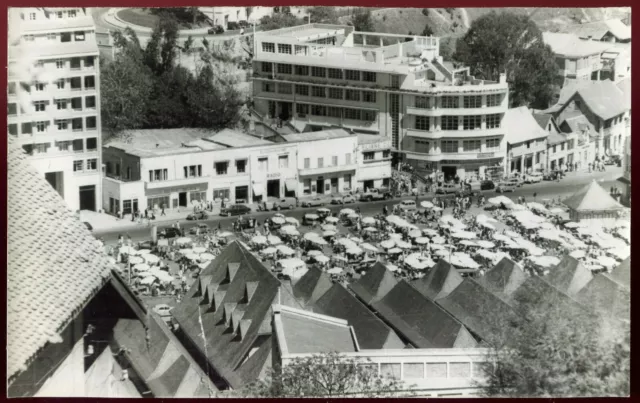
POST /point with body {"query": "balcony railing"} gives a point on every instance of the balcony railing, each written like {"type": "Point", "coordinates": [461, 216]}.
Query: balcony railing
{"type": "Point", "coordinates": [488, 110]}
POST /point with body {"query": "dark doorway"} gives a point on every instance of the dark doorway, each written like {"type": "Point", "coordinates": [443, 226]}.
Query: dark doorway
{"type": "Point", "coordinates": [242, 193]}
{"type": "Point", "coordinates": [449, 172]}
{"type": "Point", "coordinates": [284, 110]}
{"type": "Point", "coordinates": [368, 185]}
{"type": "Point", "coordinates": [56, 181]}
{"type": "Point", "coordinates": [88, 197]}
{"type": "Point", "coordinates": [273, 188]}
{"type": "Point", "coordinates": [320, 185]}
{"type": "Point", "coordinates": [334, 185]}
{"type": "Point", "coordinates": [182, 199]}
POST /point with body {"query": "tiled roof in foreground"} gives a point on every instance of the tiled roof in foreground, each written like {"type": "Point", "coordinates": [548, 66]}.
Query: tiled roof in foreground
{"type": "Point", "coordinates": [54, 264]}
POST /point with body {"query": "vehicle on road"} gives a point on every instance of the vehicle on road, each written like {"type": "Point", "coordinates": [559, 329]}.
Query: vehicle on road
{"type": "Point", "coordinates": [551, 175]}
{"type": "Point", "coordinates": [376, 194]}
{"type": "Point", "coordinates": [235, 209]}
{"type": "Point", "coordinates": [487, 185]}
{"type": "Point", "coordinates": [317, 201]}
{"type": "Point", "coordinates": [506, 186]}
{"type": "Point", "coordinates": [613, 160]}
{"type": "Point", "coordinates": [310, 219]}
{"type": "Point", "coordinates": [534, 177]}
{"type": "Point", "coordinates": [288, 203]}
{"type": "Point", "coordinates": [89, 226]}
{"type": "Point", "coordinates": [447, 188]}
{"type": "Point", "coordinates": [170, 232]}
{"type": "Point", "coordinates": [200, 215]}
{"type": "Point", "coordinates": [201, 228]}
{"type": "Point", "coordinates": [515, 180]}
{"type": "Point", "coordinates": [215, 30]}
{"type": "Point", "coordinates": [467, 192]}
{"type": "Point", "coordinates": [407, 205]}
{"type": "Point", "coordinates": [164, 311]}
{"type": "Point", "coordinates": [343, 199]}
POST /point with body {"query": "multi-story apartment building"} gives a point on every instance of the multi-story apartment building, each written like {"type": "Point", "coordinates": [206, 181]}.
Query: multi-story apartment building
{"type": "Point", "coordinates": [53, 96]}
{"type": "Point", "coordinates": [437, 117]}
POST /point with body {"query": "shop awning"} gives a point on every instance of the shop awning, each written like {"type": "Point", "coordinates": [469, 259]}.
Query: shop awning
{"type": "Point", "coordinates": [257, 189]}
{"type": "Point", "coordinates": [291, 185]}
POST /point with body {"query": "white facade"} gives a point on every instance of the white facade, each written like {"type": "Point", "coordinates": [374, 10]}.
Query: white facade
{"type": "Point", "coordinates": [374, 163]}
{"type": "Point", "coordinates": [527, 156]}
{"type": "Point", "coordinates": [53, 99]}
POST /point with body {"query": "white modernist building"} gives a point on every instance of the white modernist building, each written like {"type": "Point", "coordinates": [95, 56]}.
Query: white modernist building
{"type": "Point", "coordinates": [53, 97]}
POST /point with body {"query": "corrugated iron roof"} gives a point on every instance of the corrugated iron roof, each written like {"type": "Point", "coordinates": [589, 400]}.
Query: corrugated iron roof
{"type": "Point", "coordinates": [606, 296]}
{"type": "Point", "coordinates": [315, 136]}
{"type": "Point", "coordinates": [521, 126]}
{"type": "Point", "coordinates": [375, 284]}
{"type": "Point", "coordinates": [569, 276]}
{"type": "Point", "coordinates": [592, 197]}
{"type": "Point", "coordinates": [54, 264]}
{"type": "Point", "coordinates": [439, 281]}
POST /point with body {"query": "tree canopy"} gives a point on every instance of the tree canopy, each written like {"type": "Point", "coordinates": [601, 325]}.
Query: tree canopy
{"type": "Point", "coordinates": [279, 20]}
{"type": "Point", "coordinates": [324, 375]}
{"type": "Point", "coordinates": [512, 44]}
{"type": "Point", "coordinates": [362, 20]}
{"type": "Point", "coordinates": [323, 14]}
{"type": "Point", "coordinates": [144, 87]}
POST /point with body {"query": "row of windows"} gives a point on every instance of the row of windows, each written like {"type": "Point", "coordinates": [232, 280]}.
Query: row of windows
{"type": "Point", "coordinates": [75, 83]}
{"type": "Point", "coordinates": [322, 92]}
{"type": "Point", "coordinates": [335, 112]}
{"type": "Point", "coordinates": [61, 104]}
{"type": "Point", "coordinates": [453, 102]}
{"type": "Point", "coordinates": [451, 146]}
{"type": "Point", "coordinates": [320, 72]}
{"type": "Point", "coordinates": [334, 161]}
{"type": "Point", "coordinates": [78, 146]}
{"type": "Point", "coordinates": [89, 165]}
{"type": "Point", "coordinates": [76, 124]}
{"type": "Point", "coordinates": [58, 15]}
{"type": "Point", "coordinates": [76, 36]}
{"type": "Point", "coordinates": [452, 122]}
{"type": "Point", "coordinates": [195, 171]}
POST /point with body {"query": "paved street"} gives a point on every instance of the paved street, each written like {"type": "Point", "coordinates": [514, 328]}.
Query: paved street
{"type": "Point", "coordinates": [544, 190]}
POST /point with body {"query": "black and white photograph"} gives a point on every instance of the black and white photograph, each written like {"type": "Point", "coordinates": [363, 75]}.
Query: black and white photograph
{"type": "Point", "coordinates": [318, 201]}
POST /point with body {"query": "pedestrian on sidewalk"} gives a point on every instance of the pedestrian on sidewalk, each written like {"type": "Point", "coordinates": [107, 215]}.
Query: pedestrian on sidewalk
{"type": "Point", "coordinates": [162, 212]}
{"type": "Point", "coordinates": [146, 213]}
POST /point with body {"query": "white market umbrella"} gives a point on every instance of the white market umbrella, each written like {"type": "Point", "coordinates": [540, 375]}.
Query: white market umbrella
{"type": "Point", "coordinates": [485, 218]}
{"type": "Point", "coordinates": [442, 252]}
{"type": "Point", "coordinates": [318, 241]}
{"type": "Point", "coordinates": [370, 248]}
{"type": "Point", "coordinates": [289, 230]}
{"type": "Point", "coordinates": [557, 210]}
{"type": "Point", "coordinates": [486, 225]}
{"type": "Point", "coordinates": [347, 211]}
{"type": "Point", "coordinates": [141, 267]}
{"type": "Point", "coordinates": [427, 204]}
{"type": "Point", "coordinates": [328, 227]}
{"type": "Point", "coordinates": [388, 244]}
{"type": "Point", "coordinates": [339, 258]}
{"type": "Point", "coordinates": [206, 256]}
{"type": "Point", "coordinates": [485, 244]}
{"type": "Point", "coordinates": [321, 259]}
{"type": "Point", "coordinates": [198, 250]}
{"type": "Point", "coordinates": [224, 234]}
{"type": "Point", "coordinates": [185, 251]}
{"type": "Point", "coordinates": [368, 221]}
{"type": "Point", "coordinates": [464, 235]}
{"type": "Point", "coordinates": [151, 258]}
{"type": "Point", "coordinates": [312, 216]}
{"type": "Point", "coordinates": [501, 237]}
{"type": "Point", "coordinates": [323, 210]}
{"type": "Point", "coordinates": [311, 235]}
{"type": "Point", "coordinates": [203, 265]}
{"type": "Point", "coordinates": [512, 234]}
{"type": "Point", "coordinates": [415, 263]}
{"type": "Point", "coordinates": [191, 256]}
{"type": "Point", "coordinates": [314, 253]}
{"type": "Point", "coordinates": [572, 224]}
{"type": "Point", "coordinates": [415, 233]}
{"type": "Point", "coordinates": [392, 267]}
{"type": "Point", "coordinates": [422, 240]}
{"type": "Point", "coordinates": [329, 233]}
{"type": "Point", "coordinates": [332, 219]}
{"type": "Point", "coordinates": [370, 229]}
{"type": "Point", "coordinates": [144, 251]}
{"type": "Point", "coordinates": [468, 243]}
{"type": "Point", "coordinates": [579, 253]}
{"type": "Point", "coordinates": [136, 259]}
{"type": "Point", "coordinates": [278, 220]}
{"type": "Point", "coordinates": [429, 232]}
{"type": "Point", "coordinates": [128, 250]}
{"type": "Point", "coordinates": [544, 261]}
{"type": "Point", "coordinates": [485, 254]}
{"type": "Point", "coordinates": [183, 240]}
{"type": "Point", "coordinates": [394, 251]}
{"type": "Point", "coordinates": [500, 199]}
{"type": "Point", "coordinates": [285, 250]}
{"type": "Point", "coordinates": [148, 280]}
{"type": "Point", "coordinates": [269, 251]}
{"type": "Point", "coordinates": [259, 239]}
{"type": "Point", "coordinates": [403, 244]}
{"type": "Point", "coordinates": [620, 253]}
{"type": "Point", "coordinates": [438, 240]}
{"type": "Point", "coordinates": [292, 221]}
{"type": "Point", "coordinates": [274, 240]}
{"type": "Point", "coordinates": [335, 270]}
{"type": "Point", "coordinates": [355, 251]}
{"type": "Point", "coordinates": [395, 236]}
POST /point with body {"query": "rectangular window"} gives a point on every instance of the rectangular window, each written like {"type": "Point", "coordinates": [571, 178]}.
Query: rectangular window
{"type": "Point", "coordinates": [471, 145]}
{"type": "Point", "coordinates": [12, 108]}
{"type": "Point", "coordinates": [60, 84]}
{"type": "Point", "coordinates": [334, 112]}
{"type": "Point", "coordinates": [302, 90]}
{"type": "Point", "coordinates": [26, 128]}
{"type": "Point", "coordinates": [386, 154]}
{"type": "Point", "coordinates": [302, 70]}
{"type": "Point", "coordinates": [422, 123]}
{"type": "Point", "coordinates": [335, 74]}
{"type": "Point", "coordinates": [284, 88]}
{"type": "Point", "coordinates": [268, 87]}
{"type": "Point", "coordinates": [335, 93]}
{"type": "Point", "coordinates": [75, 63]}
{"type": "Point", "coordinates": [449, 146]}
{"type": "Point", "coordinates": [423, 146]}
{"type": "Point", "coordinates": [284, 68]}
{"type": "Point", "coordinates": [92, 164]}
{"type": "Point", "coordinates": [334, 161]}
{"type": "Point", "coordinates": [492, 144]}
{"type": "Point", "coordinates": [320, 162]}
{"type": "Point", "coordinates": [562, 147]}
{"type": "Point", "coordinates": [473, 101]}
{"type": "Point", "coordinates": [65, 37]}
{"type": "Point", "coordinates": [538, 157]}
{"type": "Point", "coordinates": [369, 96]}
{"type": "Point", "coordinates": [39, 86]}
{"type": "Point", "coordinates": [283, 161]}
{"type": "Point", "coordinates": [59, 15]}
{"type": "Point", "coordinates": [318, 92]}
{"type": "Point", "coordinates": [91, 123]}
{"type": "Point", "coordinates": [268, 47]}
{"type": "Point", "coordinates": [60, 64]}
{"type": "Point", "coordinates": [76, 103]}
{"type": "Point", "coordinates": [78, 165]}
{"type": "Point", "coordinates": [347, 159]}
{"type": "Point", "coordinates": [52, 37]}
{"type": "Point", "coordinates": [352, 75]}
{"type": "Point", "coordinates": [41, 127]}
{"type": "Point", "coordinates": [267, 67]}
{"type": "Point", "coordinates": [307, 163]}
{"type": "Point", "coordinates": [221, 168]}
{"type": "Point", "coordinates": [368, 116]}
{"type": "Point", "coordinates": [302, 109]}
{"type": "Point", "coordinates": [76, 84]}
{"type": "Point", "coordinates": [413, 370]}
{"type": "Point", "coordinates": [422, 102]}
{"type": "Point", "coordinates": [13, 129]}
{"type": "Point", "coordinates": [76, 124]}
{"type": "Point", "coordinates": [78, 147]}
{"type": "Point", "coordinates": [11, 88]}
{"type": "Point", "coordinates": [263, 164]}
{"type": "Point", "coordinates": [61, 104]}
{"type": "Point", "coordinates": [368, 156]}
{"type": "Point", "coordinates": [352, 113]}
{"type": "Point", "coordinates": [90, 102]}
{"type": "Point", "coordinates": [72, 13]}
{"type": "Point", "coordinates": [89, 82]}
{"type": "Point", "coordinates": [29, 38]}
{"type": "Point", "coordinates": [449, 102]}
{"type": "Point", "coordinates": [554, 149]}
{"type": "Point", "coordinates": [369, 76]}
{"type": "Point", "coordinates": [66, 146]}
{"type": "Point", "coordinates": [471, 122]}
{"type": "Point", "coordinates": [284, 48]}
{"type": "Point", "coordinates": [352, 95]}
{"type": "Point", "coordinates": [449, 123]}
{"type": "Point", "coordinates": [301, 50]}
{"type": "Point", "coordinates": [318, 110]}
{"type": "Point", "coordinates": [318, 72]}
{"type": "Point", "coordinates": [493, 121]}
{"type": "Point", "coordinates": [39, 106]}
{"type": "Point", "coordinates": [390, 370]}
{"type": "Point", "coordinates": [62, 125]}
{"type": "Point", "coordinates": [32, 16]}
{"type": "Point", "coordinates": [92, 144]}
{"type": "Point", "coordinates": [241, 166]}
{"type": "Point", "coordinates": [494, 100]}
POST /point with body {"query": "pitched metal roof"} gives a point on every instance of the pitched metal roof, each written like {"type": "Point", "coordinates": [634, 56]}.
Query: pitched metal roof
{"type": "Point", "coordinates": [607, 296]}
{"type": "Point", "coordinates": [54, 264]}
{"type": "Point", "coordinates": [439, 281]}
{"type": "Point", "coordinates": [536, 293]}
{"type": "Point", "coordinates": [232, 138]}
{"type": "Point", "coordinates": [505, 277]}
{"type": "Point", "coordinates": [622, 273]}
{"type": "Point", "coordinates": [592, 197]}
{"type": "Point", "coordinates": [598, 29]}
{"type": "Point", "coordinates": [375, 284]}
{"type": "Point", "coordinates": [231, 300]}
{"type": "Point", "coordinates": [479, 310]}
{"type": "Point", "coordinates": [570, 45]}
{"type": "Point", "coordinates": [520, 126]}
{"type": "Point", "coordinates": [315, 136]}
{"type": "Point", "coordinates": [569, 276]}
{"type": "Point", "coordinates": [420, 320]}
{"type": "Point", "coordinates": [603, 98]}
{"type": "Point", "coordinates": [311, 286]}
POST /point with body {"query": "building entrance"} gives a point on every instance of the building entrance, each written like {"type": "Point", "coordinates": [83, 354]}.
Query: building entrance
{"type": "Point", "coordinates": [449, 172]}
{"type": "Point", "coordinates": [182, 199]}
{"type": "Point", "coordinates": [88, 197]}
{"type": "Point", "coordinates": [242, 193]}
{"type": "Point", "coordinates": [273, 188]}
{"type": "Point", "coordinates": [334, 185]}
{"type": "Point", "coordinates": [320, 186]}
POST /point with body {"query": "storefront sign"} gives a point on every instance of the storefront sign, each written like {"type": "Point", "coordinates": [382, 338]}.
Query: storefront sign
{"type": "Point", "coordinates": [486, 155]}
{"type": "Point", "coordinates": [381, 145]}
{"type": "Point", "coordinates": [273, 175]}
{"type": "Point", "coordinates": [177, 189]}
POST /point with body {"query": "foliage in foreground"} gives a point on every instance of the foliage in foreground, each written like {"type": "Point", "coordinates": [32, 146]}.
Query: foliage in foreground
{"type": "Point", "coordinates": [324, 375]}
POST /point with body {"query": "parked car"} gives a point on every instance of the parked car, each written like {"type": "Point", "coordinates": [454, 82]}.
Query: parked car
{"type": "Point", "coordinates": [343, 199]}
{"type": "Point", "coordinates": [487, 185]}
{"type": "Point", "coordinates": [200, 215]}
{"type": "Point", "coordinates": [506, 186]}
{"type": "Point", "coordinates": [613, 160]}
{"type": "Point", "coordinates": [89, 226]}
{"type": "Point", "coordinates": [535, 177]}
{"type": "Point", "coordinates": [407, 205]}
{"type": "Point", "coordinates": [515, 180]}
{"type": "Point", "coordinates": [164, 311]}
{"type": "Point", "coordinates": [215, 30]}
{"type": "Point", "coordinates": [235, 209]}
{"type": "Point", "coordinates": [170, 232]}
{"type": "Point", "coordinates": [285, 203]}
{"type": "Point", "coordinates": [551, 175]}
{"type": "Point", "coordinates": [376, 194]}
{"type": "Point", "coordinates": [202, 228]}
{"type": "Point", "coordinates": [447, 188]}
{"type": "Point", "coordinates": [316, 201]}
{"type": "Point", "coordinates": [467, 192]}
